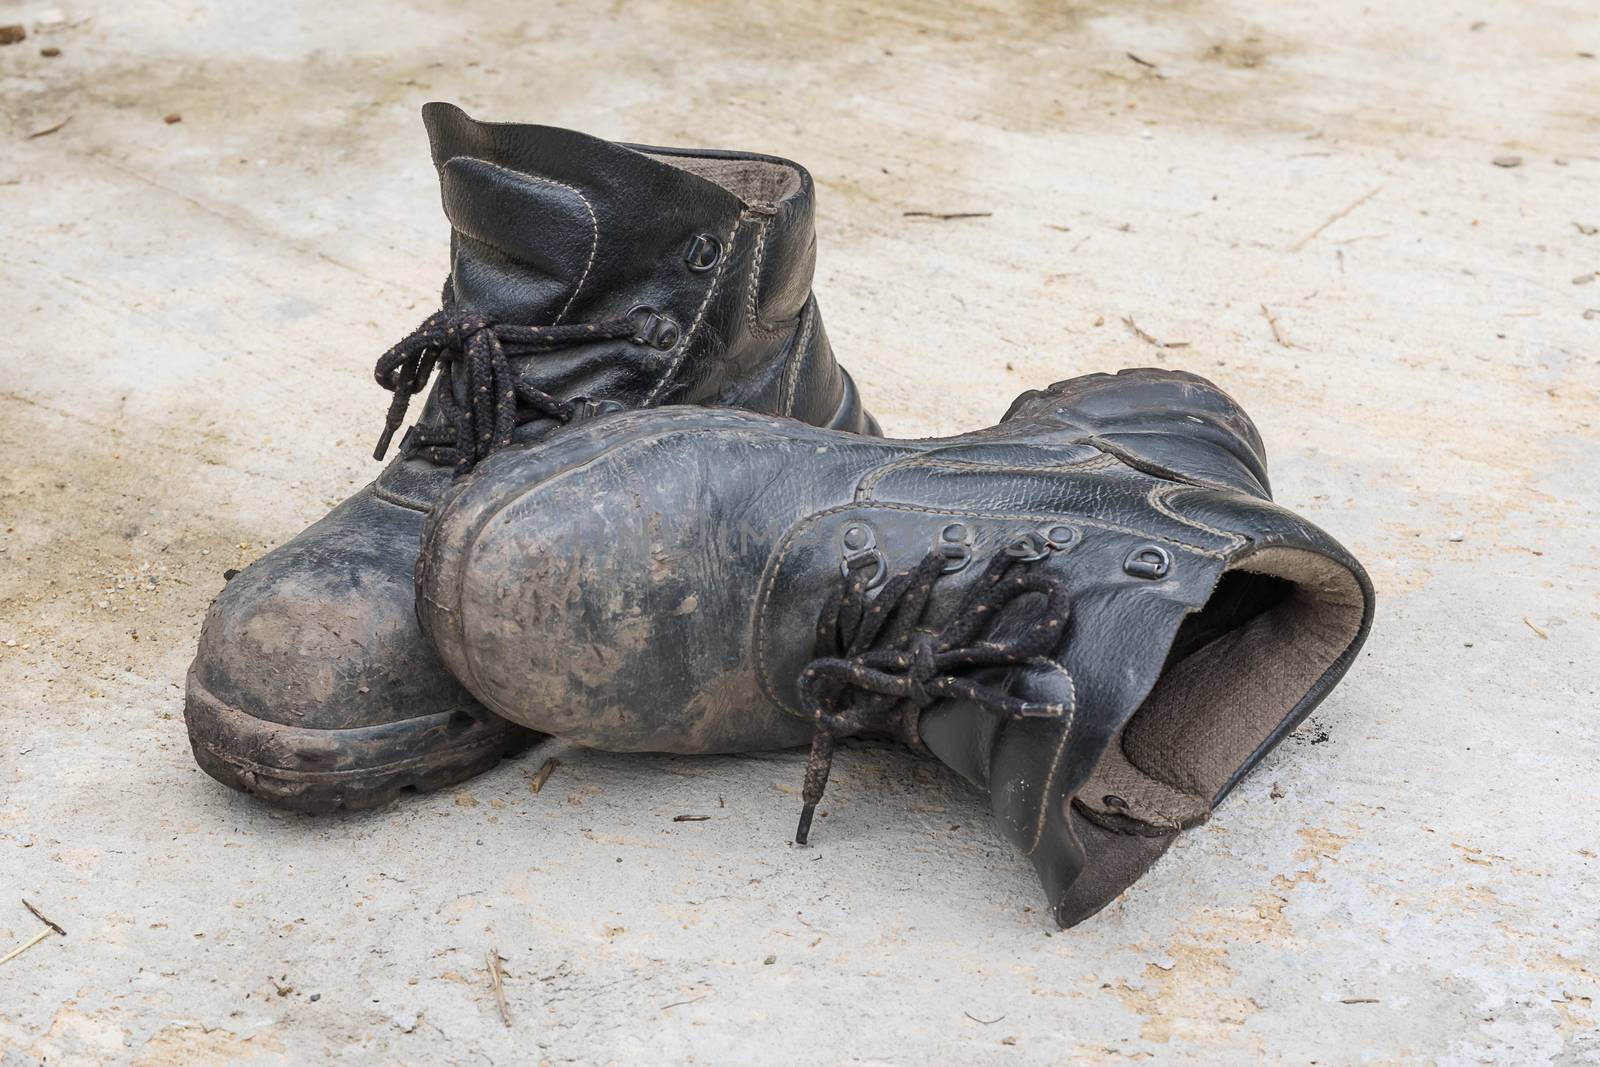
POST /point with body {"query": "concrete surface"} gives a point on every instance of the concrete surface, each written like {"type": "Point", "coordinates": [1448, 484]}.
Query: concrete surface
{"type": "Point", "coordinates": [191, 312]}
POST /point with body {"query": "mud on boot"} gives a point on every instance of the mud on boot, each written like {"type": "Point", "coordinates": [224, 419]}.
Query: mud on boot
{"type": "Point", "coordinates": [1092, 610]}
{"type": "Point", "coordinates": [586, 276]}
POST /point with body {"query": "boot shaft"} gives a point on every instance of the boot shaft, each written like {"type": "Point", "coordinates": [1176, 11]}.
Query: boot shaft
{"type": "Point", "coordinates": [710, 252]}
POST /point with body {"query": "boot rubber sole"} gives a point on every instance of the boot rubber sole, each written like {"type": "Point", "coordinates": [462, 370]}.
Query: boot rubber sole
{"type": "Point", "coordinates": [319, 771]}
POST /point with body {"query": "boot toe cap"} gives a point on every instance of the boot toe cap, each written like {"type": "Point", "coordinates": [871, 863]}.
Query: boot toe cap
{"type": "Point", "coordinates": [608, 601]}
{"type": "Point", "coordinates": [321, 632]}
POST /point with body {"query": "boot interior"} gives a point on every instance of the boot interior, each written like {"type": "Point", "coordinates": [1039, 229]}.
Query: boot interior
{"type": "Point", "coordinates": [755, 181]}
{"type": "Point", "coordinates": [1238, 667]}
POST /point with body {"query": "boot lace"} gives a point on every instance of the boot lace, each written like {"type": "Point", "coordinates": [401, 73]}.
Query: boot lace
{"type": "Point", "coordinates": [876, 671]}
{"type": "Point", "coordinates": [467, 342]}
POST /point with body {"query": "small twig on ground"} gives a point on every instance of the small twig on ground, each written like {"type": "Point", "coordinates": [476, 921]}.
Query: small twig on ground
{"type": "Point", "coordinates": [1335, 217]}
{"type": "Point", "coordinates": [1359, 1000]}
{"type": "Point", "coordinates": [48, 130]}
{"type": "Point", "coordinates": [1141, 62]}
{"type": "Point", "coordinates": [542, 775]}
{"type": "Point", "coordinates": [1277, 334]}
{"type": "Point", "coordinates": [983, 1022]}
{"type": "Point", "coordinates": [1535, 628]}
{"type": "Point", "coordinates": [498, 985]}
{"type": "Point", "coordinates": [1150, 339]}
{"type": "Point", "coordinates": [1362, 237]}
{"type": "Point", "coordinates": [681, 1003]}
{"type": "Point", "coordinates": [50, 927]}
{"type": "Point", "coordinates": [690, 818]}
{"type": "Point", "coordinates": [946, 216]}
{"type": "Point", "coordinates": [37, 914]}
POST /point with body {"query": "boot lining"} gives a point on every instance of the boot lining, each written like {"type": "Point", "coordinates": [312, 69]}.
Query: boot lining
{"type": "Point", "coordinates": [1219, 697]}
{"type": "Point", "coordinates": [755, 181]}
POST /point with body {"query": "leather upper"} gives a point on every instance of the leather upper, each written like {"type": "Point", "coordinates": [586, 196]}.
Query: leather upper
{"type": "Point", "coordinates": [548, 226]}
{"type": "Point", "coordinates": [654, 581]}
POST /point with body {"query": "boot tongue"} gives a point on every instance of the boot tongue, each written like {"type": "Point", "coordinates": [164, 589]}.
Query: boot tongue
{"type": "Point", "coordinates": [554, 226]}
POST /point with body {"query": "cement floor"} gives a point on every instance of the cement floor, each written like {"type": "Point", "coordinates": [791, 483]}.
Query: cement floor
{"type": "Point", "coordinates": [191, 312]}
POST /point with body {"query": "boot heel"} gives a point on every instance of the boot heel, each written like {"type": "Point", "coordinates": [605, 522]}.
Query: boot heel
{"type": "Point", "coordinates": [1106, 399]}
{"type": "Point", "coordinates": [1168, 422]}
{"type": "Point", "coordinates": [851, 416]}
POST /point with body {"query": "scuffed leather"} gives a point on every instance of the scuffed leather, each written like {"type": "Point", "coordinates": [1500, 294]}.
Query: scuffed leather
{"type": "Point", "coordinates": [548, 226]}
{"type": "Point", "coordinates": [1181, 427]}
{"type": "Point", "coordinates": [320, 624]}
{"type": "Point", "coordinates": [653, 581]}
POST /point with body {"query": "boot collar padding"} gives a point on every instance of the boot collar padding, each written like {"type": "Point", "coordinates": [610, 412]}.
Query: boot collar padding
{"type": "Point", "coordinates": [1216, 705]}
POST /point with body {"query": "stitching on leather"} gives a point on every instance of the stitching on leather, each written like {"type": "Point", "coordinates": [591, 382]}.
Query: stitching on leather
{"type": "Point", "coordinates": [752, 305]}
{"type": "Point", "coordinates": [764, 594]}
{"type": "Point", "coordinates": [699, 316]}
{"type": "Point", "coordinates": [1055, 762]}
{"type": "Point", "coordinates": [594, 231]}
{"type": "Point", "coordinates": [594, 244]}
{"type": "Point", "coordinates": [870, 483]}
{"type": "Point", "coordinates": [1075, 519]}
{"type": "Point", "coordinates": [1158, 499]}
{"type": "Point", "coordinates": [791, 380]}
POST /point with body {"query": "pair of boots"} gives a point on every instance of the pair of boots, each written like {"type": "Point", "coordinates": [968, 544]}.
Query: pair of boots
{"type": "Point", "coordinates": [1092, 610]}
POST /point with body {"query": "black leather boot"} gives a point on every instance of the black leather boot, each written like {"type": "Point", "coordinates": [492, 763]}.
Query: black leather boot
{"type": "Point", "coordinates": [585, 276]}
{"type": "Point", "coordinates": [1093, 610]}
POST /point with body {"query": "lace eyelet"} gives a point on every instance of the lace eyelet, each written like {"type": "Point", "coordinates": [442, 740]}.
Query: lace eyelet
{"type": "Point", "coordinates": [955, 546]}
{"type": "Point", "coordinates": [858, 544]}
{"type": "Point", "coordinates": [1151, 562]}
{"type": "Point", "coordinates": [871, 557]}
{"type": "Point", "coordinates": [857, 537]}
{"type": "Point", "coordinates": [653, 328]}
{"type": "Point", "coordinates": [703, 254]}
{"type": "Point", "coordinates": [587, 408]}
{"type": "Point", "coordinates": [1029, 546]}
{"type": "Point", "coordinates": [1062, 537]}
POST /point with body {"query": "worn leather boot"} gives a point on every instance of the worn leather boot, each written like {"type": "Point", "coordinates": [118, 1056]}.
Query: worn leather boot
{"type": "Point", "coordinates": [1092, 610]}
{"type": "Point", "coordinates": [585, 276]}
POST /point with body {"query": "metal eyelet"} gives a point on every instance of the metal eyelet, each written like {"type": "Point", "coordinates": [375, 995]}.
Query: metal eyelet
{"type": "Point", "coordinates": [858, 544]}
{"type": "Point", "coordinates": [857, 537]}
{"type": "Point", "coordinates": [585, 408]}
{"type": "Point", "coordinates": [703, 254]}
{"type": "Point", "coordinates": [1033, 545]}
{"type": "Point", "coordinates": [872, 558]}
{"type": "Point", "coordinates": [955, 545]}
{"type": "Point", "coordinates": [653, 328]}
{"type": "Point", "coordinates": [1062, 537]}
{"type": "Point", "coordinates": [1029, 546]}
{"type": "Point", "coordinates": [1149, 561]}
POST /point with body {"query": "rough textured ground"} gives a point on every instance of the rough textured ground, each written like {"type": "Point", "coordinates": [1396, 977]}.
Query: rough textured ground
{"type": "Point", "coordinates": [191, 311]}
